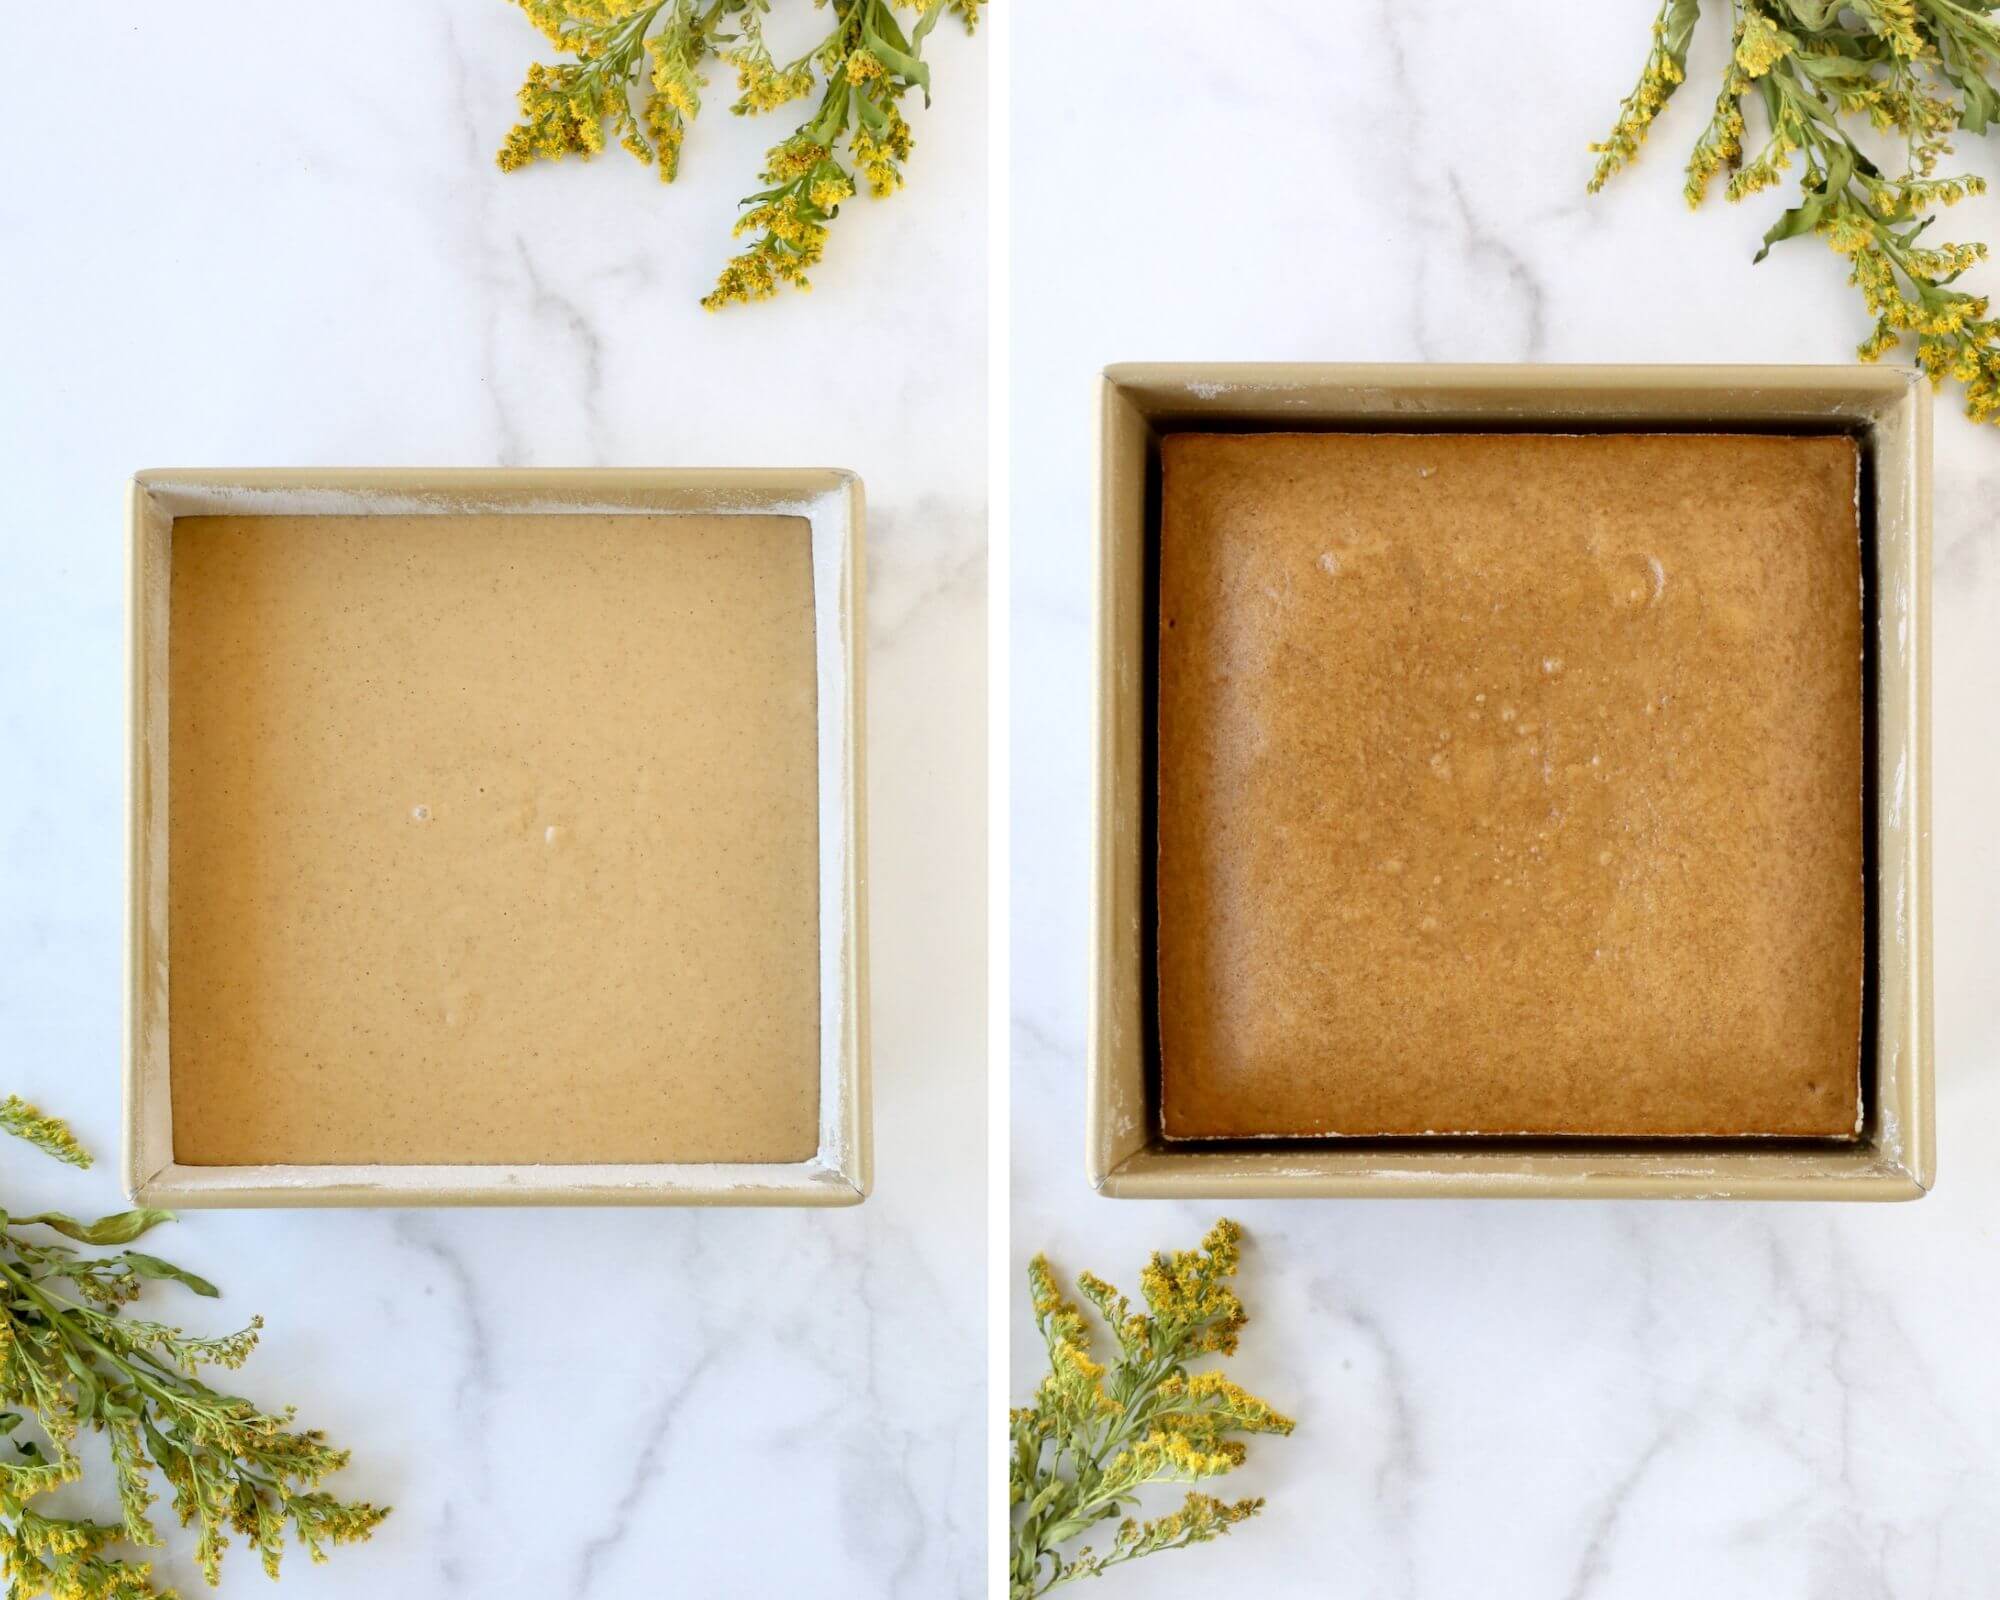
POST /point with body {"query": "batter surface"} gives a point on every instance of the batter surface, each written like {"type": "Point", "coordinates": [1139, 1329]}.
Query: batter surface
{"type": "Point", "coordinates": [493, 839]}
{"type": "Point", "coordinates": [1510, 784]}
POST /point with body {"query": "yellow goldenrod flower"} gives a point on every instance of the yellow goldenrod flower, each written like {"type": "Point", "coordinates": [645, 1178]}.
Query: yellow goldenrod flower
{"type": "Point", "coordinates": [879, 156]}
{"type": "Point", "coordinates": [862, 65]}
{"type": "Point", "coordinates": [69, 1359]}
{"type": "Point", "coordinates": [1721, 143]}
{"type": "Point", "coordinates": [1762, 45]}
{"type": "Point", "coordinates": [1895, 21]}
{"type": "Point", "coordinates": [1907, 68]}
{"type": "Point", "coordinates": [827, 192]}
{"type": "Point", "coordinates": [1099, 1432]}
{"type": "Point", "coordinates": [50, 1135]}
{"type": "Point", "coordinates": [1665, 69]}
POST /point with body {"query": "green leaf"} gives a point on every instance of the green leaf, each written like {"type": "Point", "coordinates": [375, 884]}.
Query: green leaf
{"type": "Point", "coordinates": [1981, 105]}
{"type": "Point", "coordinates": [832, 121]}
{"type": "Point", "coordinates": [871, 114]}
{"type": "Point", "coordinates": [154, 1267]}
{"type": "Point", "coordinates": [88, 1390]}
{"type": "Point", "coordinates": [1679, 21]}
{"type": "Point", "coordinates": [905, 66]}
{"type": "Point", "coordinates": [1805, 216]}
{"type": "Point", "coordinates": [1048, 1497]}
{"type": "Point", "coordinates": [120, 1228]}
{"type": "Point", "coordinates": [1836, 70]}
{"type": "Point", "coordinates": [163, 1450]}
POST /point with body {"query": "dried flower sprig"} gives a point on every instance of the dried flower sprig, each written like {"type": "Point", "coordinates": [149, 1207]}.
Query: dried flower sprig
{"type": "Point", "coordinates": [862, 67]}
{"type": "Point", "coordinates": [1096, 1435]}
{"type": "Point", "coordinates": [72, 1358]}
{"type": "Point", "coordinates": [1918, 69]}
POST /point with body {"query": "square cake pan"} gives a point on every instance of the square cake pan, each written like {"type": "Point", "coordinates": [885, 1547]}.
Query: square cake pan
{"type": "Point", "coordinates": [840, 1172]}
{"type": "Point", "coordinates": [1886, 410]}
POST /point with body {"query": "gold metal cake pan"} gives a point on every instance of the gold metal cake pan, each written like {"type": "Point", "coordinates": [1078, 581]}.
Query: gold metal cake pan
{"type": "Point", "coordinates": [839, 1171]}
{"type": "Point", "coordinates": [1887, 411]}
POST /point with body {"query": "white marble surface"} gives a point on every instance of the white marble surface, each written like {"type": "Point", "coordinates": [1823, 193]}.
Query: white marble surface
{"type": "Point", "coordinates": [1552, 1399]}
{"type": "Point", "coordinates": [241, 234]}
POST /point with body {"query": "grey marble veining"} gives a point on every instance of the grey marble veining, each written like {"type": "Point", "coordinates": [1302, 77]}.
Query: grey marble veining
{"type": "Point", "coordinates": [271, 237]}
{"type": "Point", "coordinates": [1611, 1401]}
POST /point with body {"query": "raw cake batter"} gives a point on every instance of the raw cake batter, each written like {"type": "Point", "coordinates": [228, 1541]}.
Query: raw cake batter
{"type": "Point", "coordinates": [493, 839]}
